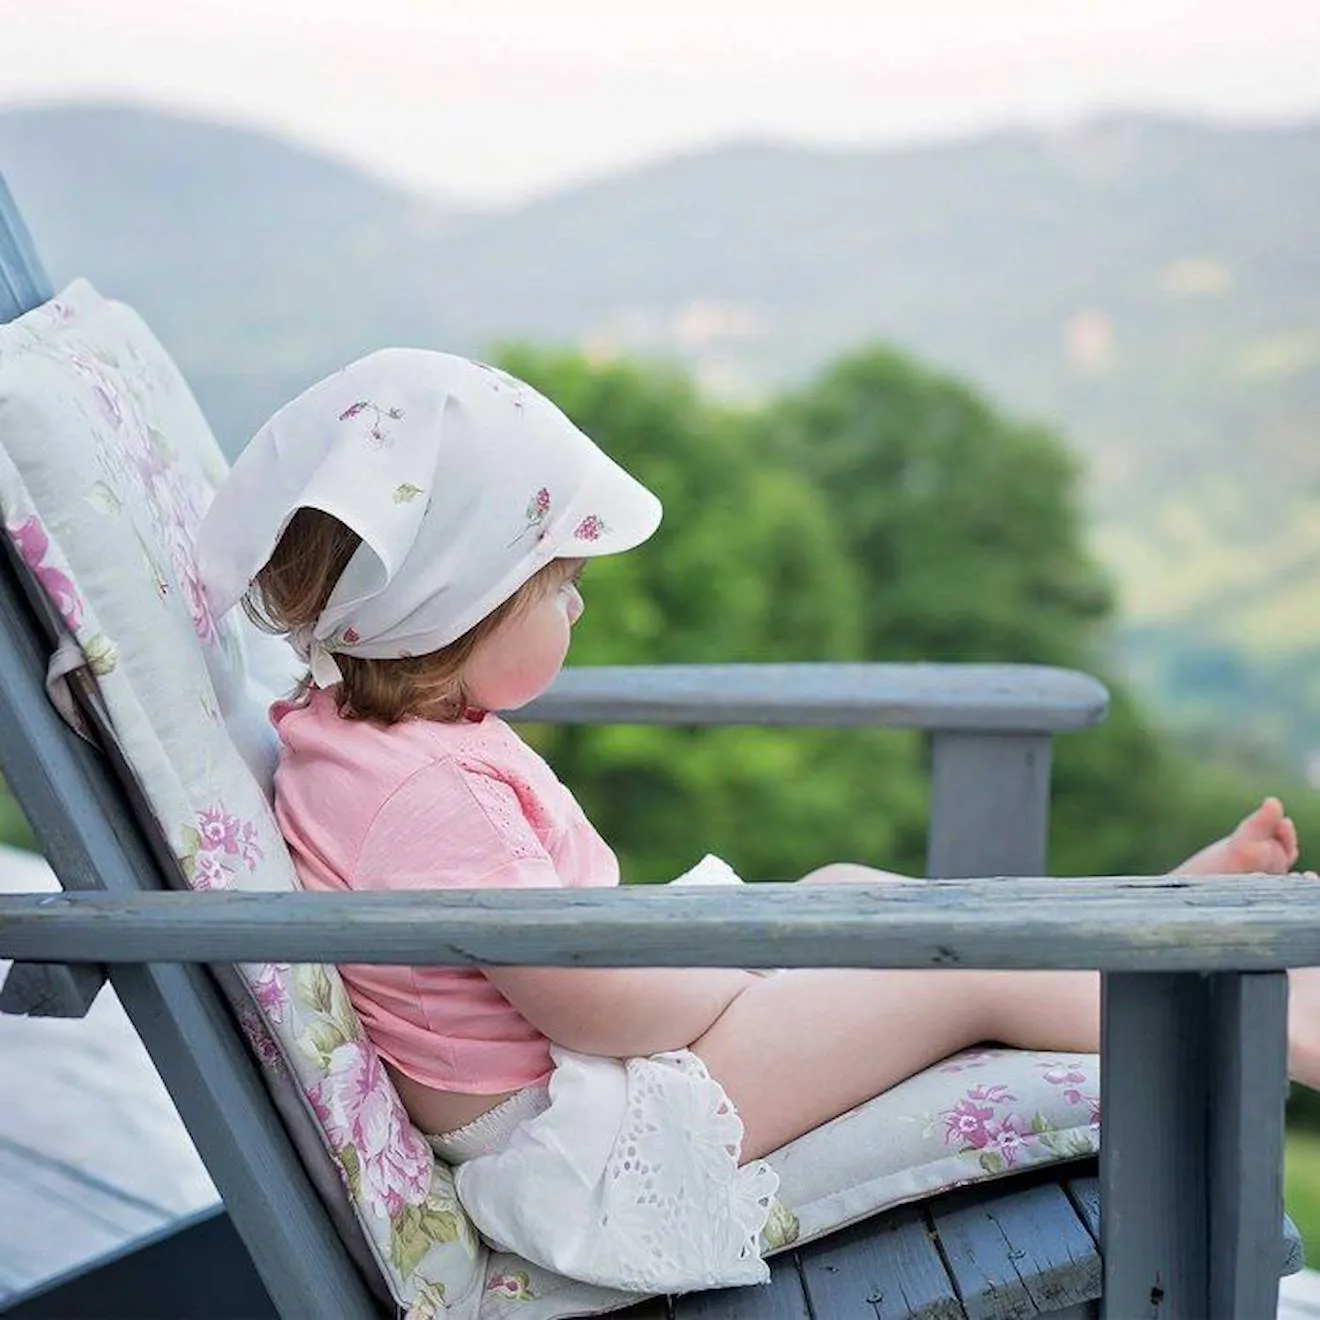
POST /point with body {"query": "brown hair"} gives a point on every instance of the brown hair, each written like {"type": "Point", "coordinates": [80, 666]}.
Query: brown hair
{"type": "Point", "coordinates": [292, 588]}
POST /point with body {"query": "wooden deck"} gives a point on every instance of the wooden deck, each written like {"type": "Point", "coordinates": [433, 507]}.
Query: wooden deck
{"type": "Point", "coordinates": [92, 1152]}
{"type": "Point", "coordinates": [958, 1257]}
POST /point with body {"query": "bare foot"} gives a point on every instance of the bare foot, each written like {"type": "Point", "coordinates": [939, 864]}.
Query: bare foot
{"type": "Point", "coordinates": [1264, 843]}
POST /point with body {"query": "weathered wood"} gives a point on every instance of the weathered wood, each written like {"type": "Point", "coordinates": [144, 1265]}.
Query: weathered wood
{"type": "Point", "coordinates": [63, 990]}
{"type": "Point", "coordinates": [1153, 1175]}
{"type": "Point", "coordinates": [1020, 1255]}
{"type": "Point", "coordinates": [989, 804]}
{"type": "Point", "coordinates": [1188, 924]}
{"type": "Point", "coordinates": [783, 1298]}
{"type": "Point", "coordinates": [966, 698]}
{"type": "Point", "coordinates": [195, 1267]}
{"type": "Point", "coordinates": [1294, 1251]}
{"type": "Point", "coordinates": [1084, 1193]}
{"type": "Point", "coordinates": [1247, 1081]}
{"type": "Point", "coordinates": [881, 1269]}
{"type": "Point", "coordinates": [23, 282]}
{"type": "Point", "coordinates": [91, 838]}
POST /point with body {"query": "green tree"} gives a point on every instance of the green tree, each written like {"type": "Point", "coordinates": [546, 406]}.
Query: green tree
{"type": "Point", "coordinates": [966, 530]}
{"type": "Point", "coordinates": [748, 565]}
{"type": "Point", "coordinates": [963, 522]}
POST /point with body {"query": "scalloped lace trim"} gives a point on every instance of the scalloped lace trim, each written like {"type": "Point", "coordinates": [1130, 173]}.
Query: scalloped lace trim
{"type": "Point", "coordinates": [630, 1180]}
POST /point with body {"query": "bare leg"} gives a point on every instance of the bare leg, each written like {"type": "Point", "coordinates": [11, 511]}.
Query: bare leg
{"type": "Point", "coordinates": [796, 1049]}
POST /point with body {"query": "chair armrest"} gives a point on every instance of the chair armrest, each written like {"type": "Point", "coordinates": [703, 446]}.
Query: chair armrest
{"type": "Point", "coordinates": [1117, 924]}
{"type": "Point", "coordinates": [968, 698]}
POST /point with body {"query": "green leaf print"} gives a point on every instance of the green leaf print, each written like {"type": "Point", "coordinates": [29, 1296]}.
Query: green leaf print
{"type": "Point", "coordinates": [102, 654]}
{"type": "Point", "coordinates": [781, 1227]}
{"type": "Point", "coordinates": [311, 986]}
{"type": "Point", "coordinates": [409, 1240]}
{"type": "Point", "coordinates": [441, 1225]}
{"type": "Point", "coordinates": [321, 1039]}
{"type": "Point", "coordinates": [348, 1157]}
{"type": "Point", "coordinates": [992, 1162]}
{"type": "Point", "coordinates": [340, 1012]}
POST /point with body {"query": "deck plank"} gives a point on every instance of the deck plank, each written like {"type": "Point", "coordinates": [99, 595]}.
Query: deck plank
{"type": "Point", "coordinates": [784, 1298]}
{"type": "Point", "coordinates": [886, 1269]}
{"type": "Point", "coordinates": [1018, 1255]}
{"type": "Point", "coordinates": [1084, 1193]}
{"type": "Point", "coordinates": [92, 1153]}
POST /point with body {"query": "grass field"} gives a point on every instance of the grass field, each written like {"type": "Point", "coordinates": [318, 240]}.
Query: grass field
{"type": "Point", "coordinates": [1302, 1189]}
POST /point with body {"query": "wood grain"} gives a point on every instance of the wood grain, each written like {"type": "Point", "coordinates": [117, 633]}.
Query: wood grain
{"type": "Point", "coordinates": [963, 697]}
{"type": "Point", "coordinates": [1197, 924]}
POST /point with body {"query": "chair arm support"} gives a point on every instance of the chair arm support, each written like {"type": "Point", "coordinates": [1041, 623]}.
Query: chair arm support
{"type": "Point", "coordinates": [51, 989]}
{"type": "Point", "coordinates": [968, 698]}
{"type": "Point", "coordinates": [1180, 924]}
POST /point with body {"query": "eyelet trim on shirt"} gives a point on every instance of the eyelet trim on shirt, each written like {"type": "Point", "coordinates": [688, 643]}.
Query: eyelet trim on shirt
{"type": "Point", "coordinates": [499, 802]}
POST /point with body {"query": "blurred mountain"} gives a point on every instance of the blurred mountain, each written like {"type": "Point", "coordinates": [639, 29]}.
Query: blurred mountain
{"type": "Point", "coordinates": [245, 253]}
{"type": "Point", "coordinates": [1151, 285]}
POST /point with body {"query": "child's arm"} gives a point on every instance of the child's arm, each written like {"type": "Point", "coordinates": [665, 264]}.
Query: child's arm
{"type": "Point", "coordinates": [620, 1011]}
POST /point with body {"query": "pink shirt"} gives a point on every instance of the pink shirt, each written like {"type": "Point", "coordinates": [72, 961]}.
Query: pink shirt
{"type": "Point", "coordinates": [422, 805]}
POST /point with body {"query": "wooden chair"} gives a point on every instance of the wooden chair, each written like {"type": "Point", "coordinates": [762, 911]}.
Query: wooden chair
{"type": "Point", "coordinates": [1194, 996]}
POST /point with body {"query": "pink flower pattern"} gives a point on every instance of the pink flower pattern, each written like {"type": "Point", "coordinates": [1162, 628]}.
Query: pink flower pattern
{"type": "Point", "coordinates": [359, 1110]}
{"type": "Point", "coordinates": [377, 433]}
{"type": "Point", "coordinates": [516, 1285]}
{"type": "Point", "coordinates": [984, 1123]}
{"type": "Point", "coordinates": [210, 873]}
{"type": "Point", "coordinates": [32, 543]}
{"type": "Point", "coordinates": [1070, 1074]}
{"type": "Point", "coordinates": [173, 497]}
{"type": "Point", "coordinates": [218, 829]}
{"type": "Point", "coordinates": [591, 528]}
{"type": "Point", "coordinates": [259, 1037]}
{"type": "Point", "coordinates": [216, 845]}
{"type": "Point", "coordinates": [268, 989]}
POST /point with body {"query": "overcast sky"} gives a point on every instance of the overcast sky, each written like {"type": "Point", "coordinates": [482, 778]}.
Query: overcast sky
{"type": "Point", "coordinates": [494, 99]}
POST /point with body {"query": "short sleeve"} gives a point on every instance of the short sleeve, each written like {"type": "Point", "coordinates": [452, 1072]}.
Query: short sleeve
{"type": "Point", "coordinates": [450, 827]}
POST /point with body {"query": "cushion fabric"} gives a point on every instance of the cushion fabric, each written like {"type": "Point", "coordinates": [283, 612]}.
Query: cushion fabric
{"type": "Point", "coordinates": [106, 465]}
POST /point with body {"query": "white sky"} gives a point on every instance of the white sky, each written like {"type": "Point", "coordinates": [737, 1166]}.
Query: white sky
{"type": "Point", "coordinates": [493, 99]}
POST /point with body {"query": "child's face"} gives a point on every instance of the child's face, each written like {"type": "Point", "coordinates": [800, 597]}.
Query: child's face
{"type": "Point", "coordinates": [520, 659]}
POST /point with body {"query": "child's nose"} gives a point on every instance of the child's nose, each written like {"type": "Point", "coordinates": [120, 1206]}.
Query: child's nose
{"type": "Point", "coordinates": [575, 605]}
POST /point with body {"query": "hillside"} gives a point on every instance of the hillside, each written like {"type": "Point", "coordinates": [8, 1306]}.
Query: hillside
{"type": "Point", "coordinates": [1151, 285]}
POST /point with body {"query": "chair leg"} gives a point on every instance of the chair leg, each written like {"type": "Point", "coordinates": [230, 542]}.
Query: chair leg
{"type": "Point", "coordinates": [194, 1269]}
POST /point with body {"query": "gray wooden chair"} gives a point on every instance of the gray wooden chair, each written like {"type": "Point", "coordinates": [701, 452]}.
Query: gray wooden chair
{"type": "Point", "coordinates": [1194, 996]}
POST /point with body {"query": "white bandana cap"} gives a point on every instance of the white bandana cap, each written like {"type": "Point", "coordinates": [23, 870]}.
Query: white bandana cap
{"type": "Point", "coordinates": [461, 481]}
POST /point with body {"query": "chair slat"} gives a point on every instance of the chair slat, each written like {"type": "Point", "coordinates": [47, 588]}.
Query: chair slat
{"type": "Point", "coordinates": [885, 1269]}
{"type": "Point", "coordinates": [1021, 1255]}
{"type": "Point", "coordinates": [784, 1298]}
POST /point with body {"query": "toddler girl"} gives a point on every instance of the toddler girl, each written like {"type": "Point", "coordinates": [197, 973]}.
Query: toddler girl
{"type": "Point", "coordinates": [417, 525]}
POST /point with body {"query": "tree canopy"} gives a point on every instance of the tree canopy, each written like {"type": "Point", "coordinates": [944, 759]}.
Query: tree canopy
{"type": "Point", "coordinates": [881, 512]}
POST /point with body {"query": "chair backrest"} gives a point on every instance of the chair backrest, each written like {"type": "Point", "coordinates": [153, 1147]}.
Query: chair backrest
{"type": "Point", "coordinates": [106, 466]}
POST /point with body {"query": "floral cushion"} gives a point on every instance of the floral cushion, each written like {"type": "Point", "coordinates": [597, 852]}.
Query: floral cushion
{"type": "Point", "coordinates": [106, 465]}
{"type": "Point", "coordinates": [982, 1114]}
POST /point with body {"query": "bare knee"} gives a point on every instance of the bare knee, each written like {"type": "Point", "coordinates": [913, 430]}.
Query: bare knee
{"type": "Point", "coordinates": [850, 873]}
